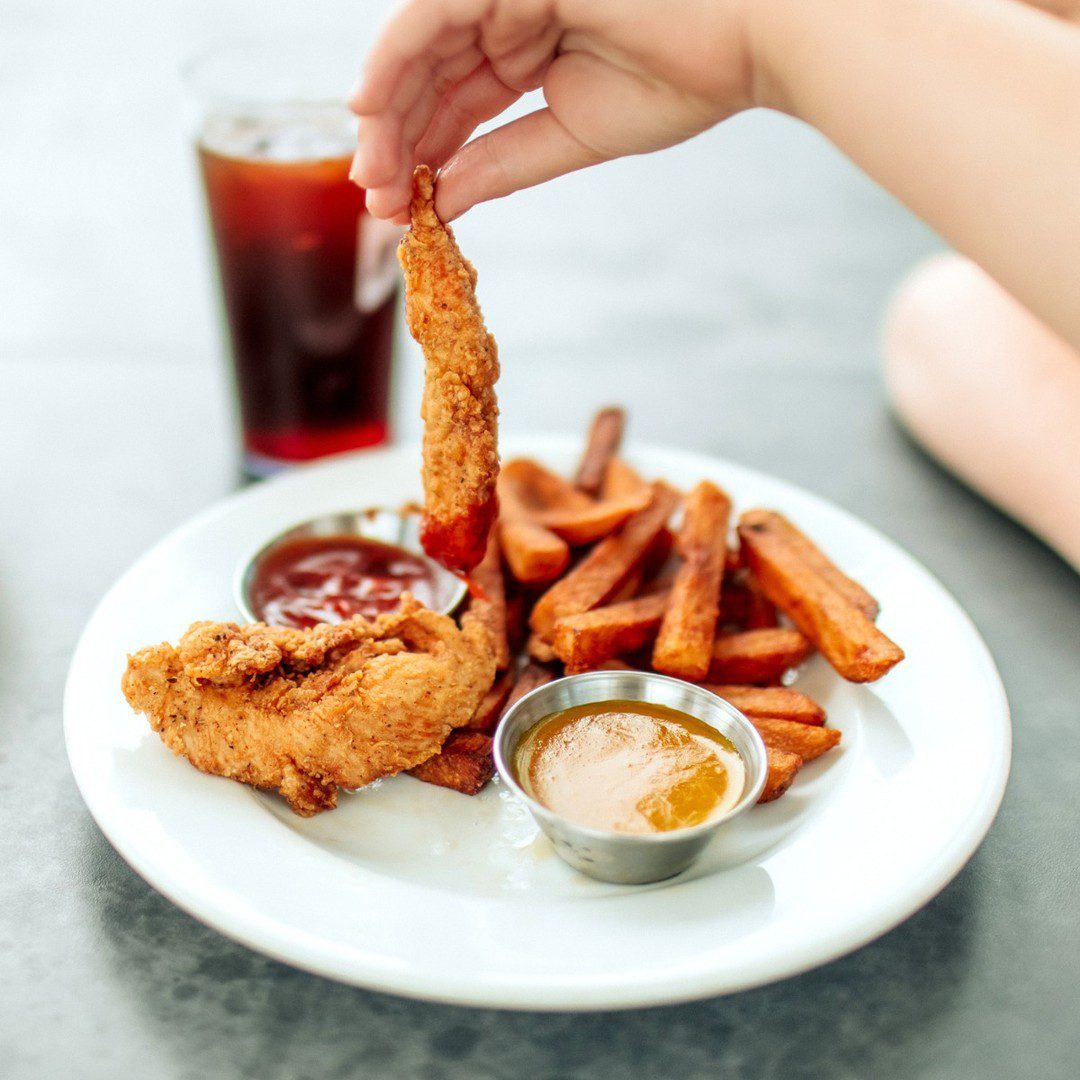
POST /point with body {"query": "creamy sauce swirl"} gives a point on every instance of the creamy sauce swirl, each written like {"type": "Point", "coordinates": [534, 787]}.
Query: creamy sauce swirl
{"type": "Point", "coordinates": [630, 766]}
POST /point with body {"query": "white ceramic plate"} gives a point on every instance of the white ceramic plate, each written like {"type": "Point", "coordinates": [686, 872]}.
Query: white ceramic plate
{"type": "Point", "coordinates": [420, 891]}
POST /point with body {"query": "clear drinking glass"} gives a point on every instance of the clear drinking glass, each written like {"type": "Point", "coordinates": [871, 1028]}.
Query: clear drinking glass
{"type": "Point", "coordinates": [308, 279]}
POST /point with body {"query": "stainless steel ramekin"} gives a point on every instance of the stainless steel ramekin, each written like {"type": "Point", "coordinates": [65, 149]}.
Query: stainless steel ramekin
{"type": "Point", "coordinates": [627, 858]}
{"type": "Point", "coordinates": [398, 527]}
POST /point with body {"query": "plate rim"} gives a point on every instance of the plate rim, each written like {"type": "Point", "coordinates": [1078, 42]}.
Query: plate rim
{"type": "Point", "coordinates": [293, 946]}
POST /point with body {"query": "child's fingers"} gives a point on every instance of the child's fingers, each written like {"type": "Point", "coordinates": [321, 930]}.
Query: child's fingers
{"type": "Point", "coordinates": [525, 152]}
{"type": "Point", "coordinates": [414, 30]}
{"type": "Point", "coordinates": [462, 110]}
{"type": "Point", "coordinates": [386, 138]}
{"type": "Point", "coordinates": [521, 39]}
{"type": "Point", "coordinates": [379, 144]}
{"type": "Point", "coordinates": [446, 77]}
{"type": "Point", "coordinates": [378, 151]}
{"type": "Point", "coordinates": [388, 151]}
{"type": "Point", "coordinates": [391, 200]}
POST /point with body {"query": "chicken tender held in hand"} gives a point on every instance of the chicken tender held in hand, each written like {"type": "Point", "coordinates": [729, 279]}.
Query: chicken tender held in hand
{"type": "Point", "coordinates": [309, 711]}
{"type": "Point", "coordinates": [460, 413]}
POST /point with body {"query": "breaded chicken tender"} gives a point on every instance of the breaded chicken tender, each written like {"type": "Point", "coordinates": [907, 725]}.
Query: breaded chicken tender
{"type": "Point", "coordinates": [309, 711]}
{"type": "Point", "coordinates": [460, 413]}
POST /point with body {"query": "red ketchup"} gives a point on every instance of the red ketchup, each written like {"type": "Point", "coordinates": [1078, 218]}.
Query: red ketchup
{"type": "Point", "coordinates": [327, 579]}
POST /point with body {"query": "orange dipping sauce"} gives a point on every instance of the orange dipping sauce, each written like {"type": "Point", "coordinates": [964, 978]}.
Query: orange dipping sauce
{"type": "Point", "coordinates": [630, 766]}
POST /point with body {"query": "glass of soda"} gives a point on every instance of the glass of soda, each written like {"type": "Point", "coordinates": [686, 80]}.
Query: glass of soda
{"type": "Point", "coordinates": [309, 281]}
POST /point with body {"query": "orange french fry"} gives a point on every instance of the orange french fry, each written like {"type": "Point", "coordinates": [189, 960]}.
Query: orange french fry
{"type": "Point", "coordinates": [813, 557]}
{"type": "Point", "coordinates": [531, 676]}
{"type": "Point", "coordinates": [806, 740]}
{"type": "Point", "coordinates": [533, 554]}
{"type": "Point", "coordinates": [621, 479]}
{"type": "Point", "coordinates": [586, 640]}
{"type": "Point", "coordinates": [775, 701]}
{"type": "Point", "coordinates": [604, 569]}
{"type": "Point", "coordinates": [818, 603]}
{"type": "Point", "coordinates": [594, 522]}
{"type": "Point", "coordinates": [488, 600]}
{"type": "Point", "coordinates": [549, 500]}
{"type": "Point", "coordinates": [494, 701]}
{"type": "Point", "coordinates": [630, 586]}
{"type": "Point", "coordinates": [540, 650]}
{"type": "Point", "coordinates": [605, 436]}
{"type": "Point", "coordinates": [655, 563]}
{"type": "Point", "coordinates": [743, 604]}
{"type": "Point", "coordinates": [734, 603]}
{"type": "Point", "coordinates": [782, 769]}
{"type": "Point", "coordinates": [517, 612]}
{"type": "Point", "coordinates": [535, 489]}
{"type": "Point", "coordinates": [684, 644]}
{"type": "Point", "coordinates": [756, 656]}
{"type": "Point", "coordinates": [463, 764]}
{"type": "Point", "coordinates": [760, 612]}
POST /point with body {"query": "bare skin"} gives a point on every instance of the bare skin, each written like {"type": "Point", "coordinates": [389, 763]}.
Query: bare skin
{"type": "Point", "coordinates": [991, 392]}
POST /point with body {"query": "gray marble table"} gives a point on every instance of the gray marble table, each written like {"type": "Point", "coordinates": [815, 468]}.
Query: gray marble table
{"type": "Point", "coordinates": [729, 293]}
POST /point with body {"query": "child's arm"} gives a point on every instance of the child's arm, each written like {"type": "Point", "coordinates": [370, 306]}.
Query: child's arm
{"type": "Point", "coordinates": [965, 109]}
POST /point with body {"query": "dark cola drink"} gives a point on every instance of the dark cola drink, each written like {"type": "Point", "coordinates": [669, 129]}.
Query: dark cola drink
{"type": "Point", "coordinates": [309, 285]}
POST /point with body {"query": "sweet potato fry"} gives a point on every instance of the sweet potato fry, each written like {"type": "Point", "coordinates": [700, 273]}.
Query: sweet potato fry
{"type": "Point", "coordinates": [819, 607]}
{"type": "Point", "coordinates": [531, 676]}
{"type": "Point", "coordinates": [517, 614]}
{"type": "Point", "coordinates": [775, 701]}
{"type": "Point", "coordinates": [684, 645]}
{"type": "Point", "coordinates": [527, 488]}
{"type": "Point", "coordinates": [540, 650]}
{"type": "Point", "coordinates": [490, 708]}
{"type": "Point", "coordinates": [743, 604]}
{"type": "Point", "coordinates": [621, 479]}
{"type": "Point", "coordinates": [756, 656]}
{"type": "Point", "coordinates": [463, 764]}
{"type": "Point", "coordinates": [806, 740]}
{"type": "Point", "coordinates": [604, 569]}
{"type": "Point", "coordinates": [655, 563]}
{"type": "Point", "coordinates": [630, 586]}
{"type": "Point", "coordinates": [760, 612]}
{"type": "Point", "coordinates": [814, 557]}
{"type": "Point", "coordinates": [586, 640]}
{"type": "Point", "coordinates": [782, 769]}
{"type": "Point", "coordinates": [734, 603]}
{"type": "Point", "coordinates": [535, 488]}
{"type": "Point", "coordinates": [488, 601]}
{"type": "Point", "coordinates": [605, 436]}
{"type": "Point", "coordinates": [593, 522]}
{"type": "Point", "coordinates": [533, 554]}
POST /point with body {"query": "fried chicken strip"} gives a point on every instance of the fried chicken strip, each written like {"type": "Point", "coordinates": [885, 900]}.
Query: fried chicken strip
{"type": "Point", "coordinates": [308, 711]}
{"type": "Point", "coordinates": [460, 413]}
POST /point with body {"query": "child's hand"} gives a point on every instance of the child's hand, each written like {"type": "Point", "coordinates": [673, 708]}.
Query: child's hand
{"type": "Point", "coordinates": [619, 77]}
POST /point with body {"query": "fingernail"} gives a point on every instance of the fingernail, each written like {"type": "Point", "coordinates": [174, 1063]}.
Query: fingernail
{"type": "Point", "coordinates": [354, 169]}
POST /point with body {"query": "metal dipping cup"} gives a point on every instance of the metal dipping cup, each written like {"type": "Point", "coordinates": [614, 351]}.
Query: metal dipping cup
{"type": "Point", "coordinates": [398, 527]}
{"type": "Point", "coordinates": [620, 857]}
